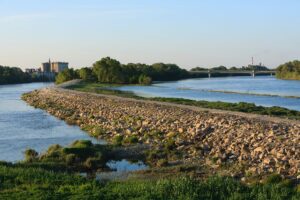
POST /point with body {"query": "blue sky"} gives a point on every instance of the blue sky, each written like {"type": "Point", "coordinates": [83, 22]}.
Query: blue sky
{"type": "Point", "coordinates": [205, 33]}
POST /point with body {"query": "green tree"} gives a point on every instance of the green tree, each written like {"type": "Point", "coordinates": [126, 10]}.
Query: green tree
{"type": "Point", "coordinates": [145, 80]}
{"type": "Point", "coordinates": [108, 70]}
{"type": "Point", "coordinates": [289, 70]}
{"type": "Point", "coordinates": [11, 75]}
{"type": "Point", "coordinates": [66, 75]}
{"type": "Point", "coordinates": [86, 74]}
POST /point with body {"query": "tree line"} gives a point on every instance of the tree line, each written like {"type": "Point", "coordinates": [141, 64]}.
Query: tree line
{"type": "Point", "coordinates": [13, 75]}
{"type": "Point", "coordinates": [223, 68]}
{"type": "Point", "coordinates": [108, 70]}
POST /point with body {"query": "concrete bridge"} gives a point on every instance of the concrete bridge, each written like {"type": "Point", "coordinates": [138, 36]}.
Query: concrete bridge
{"type": "Point", "coordinates": [222, 73]}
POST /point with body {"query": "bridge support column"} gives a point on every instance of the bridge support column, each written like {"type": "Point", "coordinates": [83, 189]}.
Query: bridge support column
{"type": "Point", "coordinates": [253, 73]}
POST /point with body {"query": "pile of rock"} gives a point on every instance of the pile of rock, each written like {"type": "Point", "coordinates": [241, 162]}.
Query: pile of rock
{"type": "Point", "coordinates": [261, 146]}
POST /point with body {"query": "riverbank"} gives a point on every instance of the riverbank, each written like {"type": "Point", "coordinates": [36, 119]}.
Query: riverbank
{"type": "Point", "coordinates": [242, 144]}
{"type": "Point", "coordinates": [116, 90]}
{"type": "Point", "coordinates": [35, 183]}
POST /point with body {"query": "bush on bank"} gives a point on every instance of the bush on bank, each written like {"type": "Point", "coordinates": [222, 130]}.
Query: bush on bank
{"type": "Point", "coordinates": [81, 155]}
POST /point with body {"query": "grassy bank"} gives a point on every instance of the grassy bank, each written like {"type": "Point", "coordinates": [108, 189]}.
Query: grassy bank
{"type": "Point", "coordinates": [35, 183]}
{"type": "Point", "coordinates": [239, 107]}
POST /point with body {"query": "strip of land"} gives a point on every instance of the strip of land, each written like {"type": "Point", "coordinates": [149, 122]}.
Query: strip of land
{"type": "Point", "coordinates": [251, 144]}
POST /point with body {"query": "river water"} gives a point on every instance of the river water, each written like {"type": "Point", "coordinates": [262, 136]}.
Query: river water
{"type": "Point", "coordinates": [22, 126]}
{"type": "Point", "coordinates": [261, 90]}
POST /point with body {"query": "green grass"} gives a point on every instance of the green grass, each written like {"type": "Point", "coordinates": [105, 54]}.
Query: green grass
{"type": "Point", "coordinates": [238, 107]}
{"type": "Point", "coordinates": [81, 155]}
{"type": "Point", "coordinates": [35, 183]}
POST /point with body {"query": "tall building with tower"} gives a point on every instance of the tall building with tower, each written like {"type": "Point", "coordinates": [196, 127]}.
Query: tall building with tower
{"type": "Point", "coordinates": [46, 67]}
{"type": "Point", "coordinates": [57, 67]}
{"type": "Point", "coordinates": [54, 67]}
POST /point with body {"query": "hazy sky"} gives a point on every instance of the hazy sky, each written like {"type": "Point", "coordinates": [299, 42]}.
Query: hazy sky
{"type": "Point", "coordinates": [190, 33]}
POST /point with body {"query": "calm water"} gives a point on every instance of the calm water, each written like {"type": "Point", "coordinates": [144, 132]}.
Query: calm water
{"type": "Point", "coordinates": [122, 170]}
{"type": "Point", "coordinates": [263, 90]}
{"type": "Point", "coordinates": [22, 126]}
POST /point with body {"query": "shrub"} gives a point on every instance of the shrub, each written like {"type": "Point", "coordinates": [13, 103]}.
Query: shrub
{"type": "Point", "coordinates": [132, 139]}
{"type": "Point", "coordinates": [118, 139]}
{"type": "Point", "coordinates": [65, 75]}
{"type": "Point", "coordinates": [162, 162]}
{"type": "Point", "coordinates": [145, 80]}
{"type": "Point", "coordinates": [82, 153]}
{"type": "Point", "coordinates": [81, 144]}
{"type": "Point", "coordinates": [70, 159]}
{"type": "Point", "coordinates": [98, 131]}
{"type": "Point", "coordinates": [94, 163]}
{"type": "Point", "coordinates": [170, 144]}
{"type": "Point", "coordinates": [30, 155]}
{"type": "Point", "coordinates": [273, 179]}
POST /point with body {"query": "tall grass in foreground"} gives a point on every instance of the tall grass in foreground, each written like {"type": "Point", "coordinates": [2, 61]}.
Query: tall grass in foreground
{"type": "Point", "coordinates": [33, 183]}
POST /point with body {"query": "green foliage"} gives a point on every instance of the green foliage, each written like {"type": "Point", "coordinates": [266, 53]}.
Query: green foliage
{"type": "Point", "coordinates": [162, 162]}
{"type": "Point", "coordinates": [169, 144]}
{"type": "Point", "coordinates": [66, 75]}
{"type": "Point", "coordinates": [117, 140]}
{"type": "Point", "coordinates": [273, 179]}
{"type": "Point", "coordinates": [239, 107]}
{"type": "Point", "coordinates": [145, 80]}
{"type": "Point", "coordinates": [223, 68]}
{"type": "Point", "coordinates": [220, 68]}
{"type": "Point", "coordinates": [131, 139]}
{"type": "Point", "coordinates": [30, 155]}
{"type": "Point", "coordinates": [195, 69]}
{"type": "Point", "coordinates": [36, 183]}
{"type": "Point", "coordinates": [80, 155]}
{"type": "Point", "coordinates": [82, 144]}
{"type": "Point", "coordinates": [290, 70]}
{"type": "Point", "coordinates": [12, 75]}
{"type": "Point", "coordinates": [256, 68]}
{"type": "Point", "coordinates": [86, 74]}
{"type": "Point", "coordinates": [108, 70]}
{"type": "Point", "coordinates": [94, 162]}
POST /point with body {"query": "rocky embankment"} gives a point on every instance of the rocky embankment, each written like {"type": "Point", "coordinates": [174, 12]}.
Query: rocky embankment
{"type": "Point", "coordinates": [258, 145]}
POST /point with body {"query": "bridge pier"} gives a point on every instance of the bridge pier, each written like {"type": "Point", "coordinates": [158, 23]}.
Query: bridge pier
{"type": "Point", "coordinates": [253, 73]}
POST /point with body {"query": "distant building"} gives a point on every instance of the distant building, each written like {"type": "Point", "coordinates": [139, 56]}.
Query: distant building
{"type": "Point", "coordinates": [33, 70]}
{"type": "Point", "coordinates": [54, 67]}
{"type": "Point", "coordinates": [46, 67]}
{"type": "Point", "coordinates": [59, 66]}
